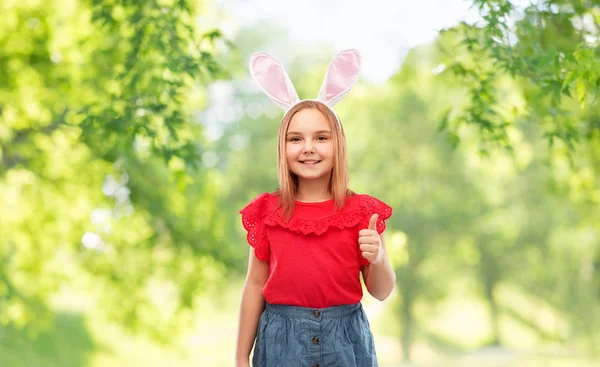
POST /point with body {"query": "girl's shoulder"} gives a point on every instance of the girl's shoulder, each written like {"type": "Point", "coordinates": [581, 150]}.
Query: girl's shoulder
{"type": "Point", "coordinates": [361, 207]}
{"type": "Point", "coordinates": [261, 204]}
{"type": "Point", "coordinates": [368, 202]}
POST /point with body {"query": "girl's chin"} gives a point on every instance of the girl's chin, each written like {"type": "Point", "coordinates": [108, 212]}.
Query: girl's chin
{"type": "Point", "coordinates": [309, 174]}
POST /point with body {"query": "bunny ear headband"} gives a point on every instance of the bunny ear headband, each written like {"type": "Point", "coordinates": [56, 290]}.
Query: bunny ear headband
{"type": "Point", "coordinates": [270, 75]}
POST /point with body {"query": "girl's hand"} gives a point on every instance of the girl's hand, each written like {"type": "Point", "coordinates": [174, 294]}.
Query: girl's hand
{"type": "Point", "coordinates": [245, 363]}
{"type": "Point", "coordinates": [370, 243]}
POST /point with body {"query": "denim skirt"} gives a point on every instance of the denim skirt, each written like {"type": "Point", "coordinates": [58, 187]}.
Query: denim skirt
{"type": "Point", "coordinates": [291, 336]}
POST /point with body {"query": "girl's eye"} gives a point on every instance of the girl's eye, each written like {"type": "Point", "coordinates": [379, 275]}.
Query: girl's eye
{"type": "Point", "coordinates": [295, 138]}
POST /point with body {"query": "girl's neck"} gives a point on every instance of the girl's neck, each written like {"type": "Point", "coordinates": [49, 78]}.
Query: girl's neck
{"type": "Point", "coordinates": [313, 191]}
{"type": "Point", "coordinates": [314, 198]}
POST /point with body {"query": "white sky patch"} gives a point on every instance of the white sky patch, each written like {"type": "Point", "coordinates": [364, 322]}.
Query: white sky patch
{"type": "Point", "coordinates": [382, 30]}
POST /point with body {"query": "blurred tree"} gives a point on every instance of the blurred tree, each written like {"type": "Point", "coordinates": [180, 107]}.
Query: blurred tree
{"type": "Point", "coordinates": [67, 342]}
{"type": "Point", "coordinates": [463, 217]}
{"type": "Point", "coordinates": [550, 46]}
{"type": "Point", "coordinates": [99, 160]}
{"type": "Point", "coordinates": [550, 49]}
{"type": "Point", "coordinates": [393, 138]}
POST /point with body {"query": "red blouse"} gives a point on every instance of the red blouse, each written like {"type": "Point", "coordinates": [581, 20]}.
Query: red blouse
{"type": "Point", "coordinates": [314, 259]}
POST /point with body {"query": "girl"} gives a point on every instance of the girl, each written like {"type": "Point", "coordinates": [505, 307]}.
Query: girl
{"type": "Point", "coordinates": [311, 239]}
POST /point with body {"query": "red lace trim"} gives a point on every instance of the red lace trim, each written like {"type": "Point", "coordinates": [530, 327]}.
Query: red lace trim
{"type": "Point", "coordinates": [253, 223]}
{"type": "Point", "coordinates": [257, 215]}
{"type": "Point", "coordinates": [344, 219]}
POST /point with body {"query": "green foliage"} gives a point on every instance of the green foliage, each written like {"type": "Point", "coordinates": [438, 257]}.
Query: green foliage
{"type": "Point", "coordinates": [99, 158]}
{"type": "Point", "coordinates": [549, 46]}
{"type": "Point", "coordinates": [150, 58]}
{"type": "Point", "coordinates": [67, 342]}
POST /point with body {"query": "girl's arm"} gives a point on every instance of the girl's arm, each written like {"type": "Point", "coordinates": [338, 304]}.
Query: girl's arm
{"type": "Point", "coordinates": [252, 305]}
{"type": "Point", "coordinates": [380, 277]}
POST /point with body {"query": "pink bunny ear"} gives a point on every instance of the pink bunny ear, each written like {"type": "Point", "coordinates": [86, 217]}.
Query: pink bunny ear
{"type": "Point", "coordinates": [273, 80]}
{"type": "Point", "coordinates": [341, 75]}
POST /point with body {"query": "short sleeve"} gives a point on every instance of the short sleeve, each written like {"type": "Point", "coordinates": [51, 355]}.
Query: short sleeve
{"type": "Point", "coordinates": [370, 206]}
{"type": "Point", "coordinates": [252, 219]}
{"type": "Point", "coordinates": [376, 206]}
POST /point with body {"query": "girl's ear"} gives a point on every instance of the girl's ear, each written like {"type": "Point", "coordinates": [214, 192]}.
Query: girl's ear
{"type": "Point", "coordinates": [341, 76]}
{"type": "Point", "coordinates": [273, 80]}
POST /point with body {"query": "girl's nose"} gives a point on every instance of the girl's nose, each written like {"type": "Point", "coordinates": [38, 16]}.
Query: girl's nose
{"type": "Point", "coordinates": [308, 147]}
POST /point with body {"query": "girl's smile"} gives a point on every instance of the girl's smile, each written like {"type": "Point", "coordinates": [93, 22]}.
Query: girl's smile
{"type": "Point", "coordinates": [310, 164]}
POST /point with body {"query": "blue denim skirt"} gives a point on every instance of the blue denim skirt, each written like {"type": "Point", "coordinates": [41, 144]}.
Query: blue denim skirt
{"type": "Point", "coordinates": [291, 336]}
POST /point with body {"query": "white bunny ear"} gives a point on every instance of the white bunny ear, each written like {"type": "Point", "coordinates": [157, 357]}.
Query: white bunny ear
{"type": "Point", "coordinates": [341, 76]}
{"type": "Point", "coordinates": [273, 80]}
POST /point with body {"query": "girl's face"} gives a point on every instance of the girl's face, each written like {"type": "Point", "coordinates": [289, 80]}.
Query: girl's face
{"type": "Point", "coordinates": [309, 145]}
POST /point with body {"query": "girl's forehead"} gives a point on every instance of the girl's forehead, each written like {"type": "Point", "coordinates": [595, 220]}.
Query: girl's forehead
{"type": "Point", "coordinates": [308, 120]}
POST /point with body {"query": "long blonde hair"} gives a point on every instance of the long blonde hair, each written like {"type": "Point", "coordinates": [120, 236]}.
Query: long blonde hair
{"type": "Point", "coordinates": [288, 181]}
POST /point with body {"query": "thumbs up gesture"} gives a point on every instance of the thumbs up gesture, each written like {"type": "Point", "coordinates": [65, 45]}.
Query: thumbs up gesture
{"type": "Point", "coordinates": [370, 243]}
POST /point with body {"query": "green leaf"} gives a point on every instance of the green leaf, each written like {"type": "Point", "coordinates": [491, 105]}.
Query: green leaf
{"type": "Point", "coordinates": [581, 92]}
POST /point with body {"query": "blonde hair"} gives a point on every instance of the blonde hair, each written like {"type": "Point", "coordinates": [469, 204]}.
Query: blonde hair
{"type": "Point", "coordinates": [288, 181]}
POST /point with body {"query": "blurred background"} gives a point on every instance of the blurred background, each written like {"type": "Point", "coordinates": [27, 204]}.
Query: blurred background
{"type": "Point", "coordinates": [131, 135]}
